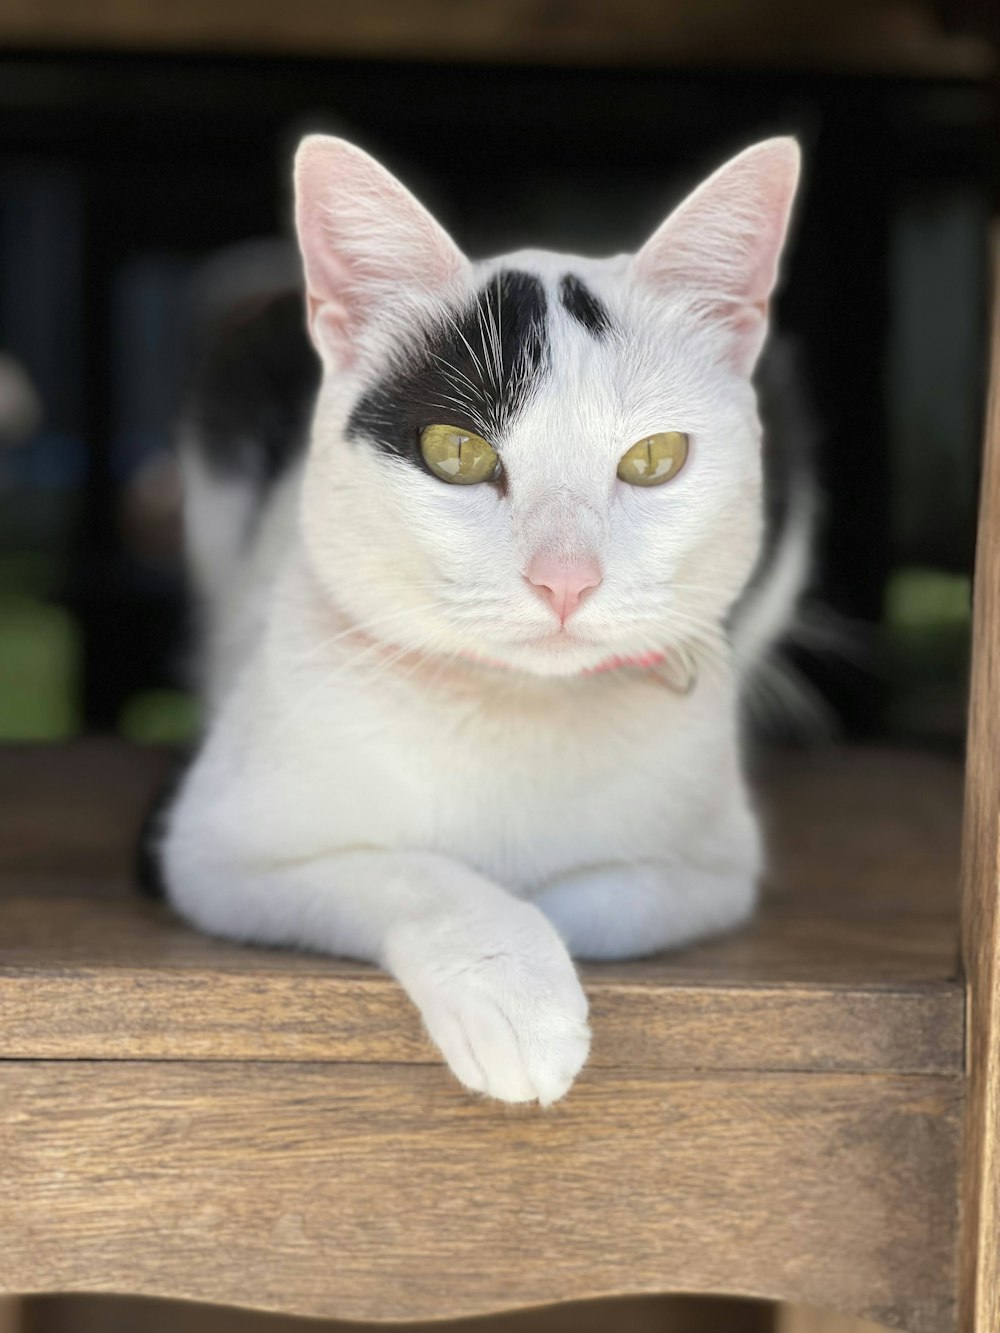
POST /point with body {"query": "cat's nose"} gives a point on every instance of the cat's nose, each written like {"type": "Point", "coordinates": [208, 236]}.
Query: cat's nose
{"type": "Point", "coordinates": [564, 585]}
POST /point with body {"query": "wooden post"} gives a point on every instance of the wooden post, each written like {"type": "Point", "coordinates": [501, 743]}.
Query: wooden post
{"type": "Point", "coordinates": [979, 1295]}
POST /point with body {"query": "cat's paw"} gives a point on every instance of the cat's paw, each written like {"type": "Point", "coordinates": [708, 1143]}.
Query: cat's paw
{"type": "Point", "coordinates": [502, 1001]}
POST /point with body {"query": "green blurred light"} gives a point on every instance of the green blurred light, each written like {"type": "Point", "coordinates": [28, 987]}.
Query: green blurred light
{"type": "Point", "coordinates": [159, 717]}
{"type": "Point", "coordinates": [39, 667]}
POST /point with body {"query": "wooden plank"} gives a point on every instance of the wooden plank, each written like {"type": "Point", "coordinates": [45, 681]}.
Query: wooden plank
{"type": "Point", "coordinates": [670, 1314]}
{"type": "Point", "coordinates": [386, 1192]}
{"type": "Point", "coordinates": [802, 1319]}
{"type": "Point", "coordinates": [849, 967]}
{"type": "Point", "coordinates": [874, 35]}
{"type": "Point", "coordinates": [337, 1013]}
{"type": "Point", "coordinates": [980, 1269]}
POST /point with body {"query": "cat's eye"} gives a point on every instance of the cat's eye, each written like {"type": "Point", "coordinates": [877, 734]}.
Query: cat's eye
{"type": "Point", "coordinates": [458, 455]}
{"type": "Point", "coordinates": [654, 459]}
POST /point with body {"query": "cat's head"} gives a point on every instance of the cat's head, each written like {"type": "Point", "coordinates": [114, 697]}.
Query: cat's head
{"type": "Point", "coordinates": [486, 435]}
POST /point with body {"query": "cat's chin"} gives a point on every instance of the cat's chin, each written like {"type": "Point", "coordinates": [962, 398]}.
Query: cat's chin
{"type": "Point", "coordinates": [560, 656]}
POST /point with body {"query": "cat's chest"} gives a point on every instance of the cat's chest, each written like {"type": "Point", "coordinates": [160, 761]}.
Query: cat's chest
{"type": "Point", "coordinates": [523, 788]}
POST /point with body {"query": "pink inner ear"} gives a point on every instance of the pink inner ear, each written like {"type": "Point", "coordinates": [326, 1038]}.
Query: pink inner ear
{"type": "Point", "coordinates": [363, 236]}
{"type": "Point", "coordinates": [723, 243]}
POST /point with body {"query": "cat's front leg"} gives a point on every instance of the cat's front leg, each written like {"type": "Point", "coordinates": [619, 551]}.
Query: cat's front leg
{"type": "Point", "coordinates": [498, 993]}
{"type": "Point", "coordinates": [494, 983]}
{"type": "Point", "coordinates": [629, 910]}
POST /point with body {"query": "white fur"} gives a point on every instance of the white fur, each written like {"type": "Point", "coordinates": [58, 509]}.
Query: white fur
{"type": "Point", "coordinates": [367, 789]}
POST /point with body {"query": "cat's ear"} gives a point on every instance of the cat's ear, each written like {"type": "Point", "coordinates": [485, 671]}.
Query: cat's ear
{"type": "Point", "coordinates": [720, 248]}
{"type": "Point", "coordinates": [365, 241]}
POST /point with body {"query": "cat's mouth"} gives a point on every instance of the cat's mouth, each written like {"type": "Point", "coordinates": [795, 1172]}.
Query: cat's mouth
{"type": "Point", "coordinates": [675, 668]}
{"type": "Point", "coordinates": [557, 656]}
{"type": "Point", "coordinates": [563, 641]}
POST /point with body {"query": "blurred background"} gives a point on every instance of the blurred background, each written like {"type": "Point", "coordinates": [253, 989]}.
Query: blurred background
{"type": "Point", "coordinates": [144, 171]}
{"type": "Point", "coordinates": [144, 168]}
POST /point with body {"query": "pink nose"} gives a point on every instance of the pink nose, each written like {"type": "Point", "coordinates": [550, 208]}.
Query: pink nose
{"type": "Point", "coordinates": [564, 586]}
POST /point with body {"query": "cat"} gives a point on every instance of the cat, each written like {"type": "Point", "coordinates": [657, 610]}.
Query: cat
{"type": "Point", "coordinates": [480, 591]}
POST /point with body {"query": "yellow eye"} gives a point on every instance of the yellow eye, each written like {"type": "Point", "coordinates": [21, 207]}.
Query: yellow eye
{"type": "Point", "coordinates": [654, 460]}
{"type": "Point", "coordinates": [458, 455]}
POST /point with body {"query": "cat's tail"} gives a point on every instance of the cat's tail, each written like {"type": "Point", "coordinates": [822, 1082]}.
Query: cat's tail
{"type": "Point", "coordinates": [244, 427]}
{"type": "Point", "coordinates": [247, 412]}
{"type": "Point", "coordinates": [767, 609]}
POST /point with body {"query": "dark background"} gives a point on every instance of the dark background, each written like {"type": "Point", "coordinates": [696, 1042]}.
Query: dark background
{"type": "Point", "coordinates": [122, 174]}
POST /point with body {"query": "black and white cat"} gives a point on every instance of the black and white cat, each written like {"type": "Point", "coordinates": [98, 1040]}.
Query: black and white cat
{"type": "Point", "coordinates": [473, 657]}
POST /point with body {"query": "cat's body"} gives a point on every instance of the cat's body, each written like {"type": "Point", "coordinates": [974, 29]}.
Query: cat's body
{"type": "Point", "coordinates": [466, 730]}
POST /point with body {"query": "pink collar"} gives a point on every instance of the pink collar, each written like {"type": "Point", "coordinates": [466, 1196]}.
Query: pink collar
{"type": "Point", "coordinates": [675, 670]}
{"type": "Point", "coordinates": [644, 662]}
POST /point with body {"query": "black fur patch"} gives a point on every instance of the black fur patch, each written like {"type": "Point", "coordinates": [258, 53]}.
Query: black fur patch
{"type": "Point", "coordinates": [475, 371]}
{"type": "Point", "coordinates": [587, 309]}
{"type": "Point", "coordinates": [252, 400]}
{"type": "Point", "coordinates": [148, 861]}
{"type": "Point", "coordinates": [788, 451]}
{"type": "Point", "coordinates": [789, 440]}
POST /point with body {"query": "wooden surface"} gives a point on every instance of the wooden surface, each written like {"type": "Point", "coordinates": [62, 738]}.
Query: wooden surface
{"type": "Point", "coordinates": [888, 36]}
{"type": "Point", "coordinates": [804, 1319]}
{"type": "Point", "coordinates": [385, 1191]}
{"type": "Point", "coordinates": [774, 1115]}
{"type": "Point", "coordinates": [850, 967]}
{"type": "Point", "coordinates": [644, 1314]}
{"type": "Point", "coordinates": [669, 1314]}
{"type": "Point", "coordinates": [980, 1280]}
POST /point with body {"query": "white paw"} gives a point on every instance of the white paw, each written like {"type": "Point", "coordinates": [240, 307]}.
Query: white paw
{"type": "Point", "coordinates": [501, 999]}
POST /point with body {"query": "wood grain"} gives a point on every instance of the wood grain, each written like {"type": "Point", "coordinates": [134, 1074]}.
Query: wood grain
{"type": "Point", "coordinates": [776, 1114]}
{"type": "Point", "coordinates": [385, 1192]}
{"type": "Point", "coordinates": [901, 36]}
{"type": "Point", "coordinates": [850, 967]}
{"type": "Point", "coordinates": [339, 1014]}
{"type": "Point", "coordinates": [980, 1269]}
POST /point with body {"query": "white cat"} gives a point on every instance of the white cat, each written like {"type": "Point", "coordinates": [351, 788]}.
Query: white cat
{"type": "Point", "coordinates": [474, 656]}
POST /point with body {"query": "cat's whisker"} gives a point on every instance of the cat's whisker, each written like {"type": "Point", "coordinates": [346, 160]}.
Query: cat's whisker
{"type": "Point", "coordinates": [384, 655]}
{"type": "Point", "coordinates": [303, 701]}
{"type": "Point", "coordinates": [498, 325]}
{"type": "Point", "coordinates": [488, 352]}
{"type": "Point", "coordinates": [454, 371]}
{"type": "Point", "coordinates": [437, 661]}
{"type": "Point", "coordinates": [795, 700]}
{"type": "Point", "coordinates": [455, 325]}
{"type": "Point", "coordinates": [391, 660]}
{"type": "Point", "coordinates": [446, 403]}
{"type": "Point", "coordinates": [398, 613]}
{"type": "Point", "coordinates": [495, 335]}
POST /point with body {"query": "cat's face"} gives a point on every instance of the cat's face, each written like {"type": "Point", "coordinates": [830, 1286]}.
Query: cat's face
{"type": "Point", "coordinates": [486, 432]}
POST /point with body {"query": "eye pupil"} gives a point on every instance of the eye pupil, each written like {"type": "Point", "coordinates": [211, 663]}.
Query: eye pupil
{"type": "Point", "coordinates": [458, 456]}
{"type": "Point", "coordinates": [655, 459]}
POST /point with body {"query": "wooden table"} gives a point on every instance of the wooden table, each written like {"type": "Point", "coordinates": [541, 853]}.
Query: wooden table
{"type": "Point", "coordinates": [189, 1118]}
